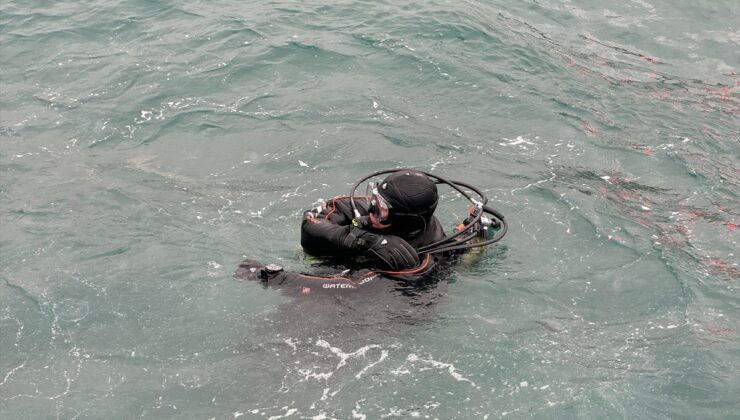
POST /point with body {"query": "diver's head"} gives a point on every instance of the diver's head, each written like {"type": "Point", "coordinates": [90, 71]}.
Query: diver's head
{"type": "Point", "coordinates": [404, 197]}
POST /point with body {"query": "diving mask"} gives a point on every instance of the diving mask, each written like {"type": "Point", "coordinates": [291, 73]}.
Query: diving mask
{"type": "Point", "coordinates": [380, 209]}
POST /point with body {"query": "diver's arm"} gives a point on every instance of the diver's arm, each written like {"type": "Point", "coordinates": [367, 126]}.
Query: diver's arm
{"type": "Point", "coordinates": [324, 238]}
{"type": "Point", "coordinates": [320, 237]}
{"type": "Point", "coordinates": [325, 230]}
{"type": "Point", "coordinates": [328, 230]}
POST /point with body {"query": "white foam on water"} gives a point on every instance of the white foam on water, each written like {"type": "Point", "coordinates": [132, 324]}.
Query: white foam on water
{"type": "Point", "coordinates": [516, 142]}
{"type": "Point", "coordinates": [383, 356]}
{"type": "Point", "coordinates": [289, 341]}
{"type": "Point", "coordinates": [11, 372]}
{"type": "Point", "coordinates": [449, 367]}
{"type": "Point", "coordinates": [401, 371]}
{"type": "Point", "coordinates": [356, 414]}
{"type": "Point", "coordinates": [309, 374]}
{"type": "Point", "coordinates": [345, 356]}
{"type": "Point", "coordinates": [288, 413]}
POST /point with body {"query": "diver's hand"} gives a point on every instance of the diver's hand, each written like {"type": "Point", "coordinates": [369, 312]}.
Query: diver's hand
{"type": "Point", "coordinates": [393, 251]}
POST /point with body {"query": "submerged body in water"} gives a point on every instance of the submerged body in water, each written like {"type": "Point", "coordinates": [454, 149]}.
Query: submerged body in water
{"type": "Point", "coordinates": [343, 282]}
{"type": "Point", "coordinates": [376, 236]}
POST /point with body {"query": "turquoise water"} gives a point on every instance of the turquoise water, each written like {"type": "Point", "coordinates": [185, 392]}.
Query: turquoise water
{"type": "Point", "coordinates": [148, 147]}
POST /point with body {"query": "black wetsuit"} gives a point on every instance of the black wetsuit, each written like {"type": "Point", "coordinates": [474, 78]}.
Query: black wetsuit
{"type": "Point", "coordinates": [325, 229]}
{"type": "Point", "coordinates": [324, 233]}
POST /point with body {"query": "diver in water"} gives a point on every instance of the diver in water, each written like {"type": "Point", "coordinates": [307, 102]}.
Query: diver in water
{"type": "Point", "coordinates": [391, 231]}
{"type": "Point", "coordinates": [396, 217]}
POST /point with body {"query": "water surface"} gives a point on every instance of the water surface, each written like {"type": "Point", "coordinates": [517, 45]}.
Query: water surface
{"type": "Point", "coordinates": [147, 147]}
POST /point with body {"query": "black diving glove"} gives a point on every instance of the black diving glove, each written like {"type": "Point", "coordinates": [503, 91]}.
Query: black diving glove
{"type": "Point", "coordinates": [395, 253]}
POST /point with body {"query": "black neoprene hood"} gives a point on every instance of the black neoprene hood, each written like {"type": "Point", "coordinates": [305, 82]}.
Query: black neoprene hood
{"type": "Point", "coordinates": [410, 192]}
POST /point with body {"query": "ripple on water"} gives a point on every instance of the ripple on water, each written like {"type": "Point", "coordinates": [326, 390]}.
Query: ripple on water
{"type": "Point", "coordinates": [71, 309]}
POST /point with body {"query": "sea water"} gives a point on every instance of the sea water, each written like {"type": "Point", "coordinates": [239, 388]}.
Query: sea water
{"type": "Point", "coordinates": [146, 147]}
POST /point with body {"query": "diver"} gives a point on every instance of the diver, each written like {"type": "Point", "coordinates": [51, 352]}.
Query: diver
{"type": "Point", "coordinates": [396, 216]}
{"type": "Point", "coordinates": [391, 232]}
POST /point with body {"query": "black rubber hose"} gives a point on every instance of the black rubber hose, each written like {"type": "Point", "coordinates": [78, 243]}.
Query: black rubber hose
{"type": "Point", "coordinates": [463, 246]}
{"type": "Point", "coordinates": [494, 212]}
